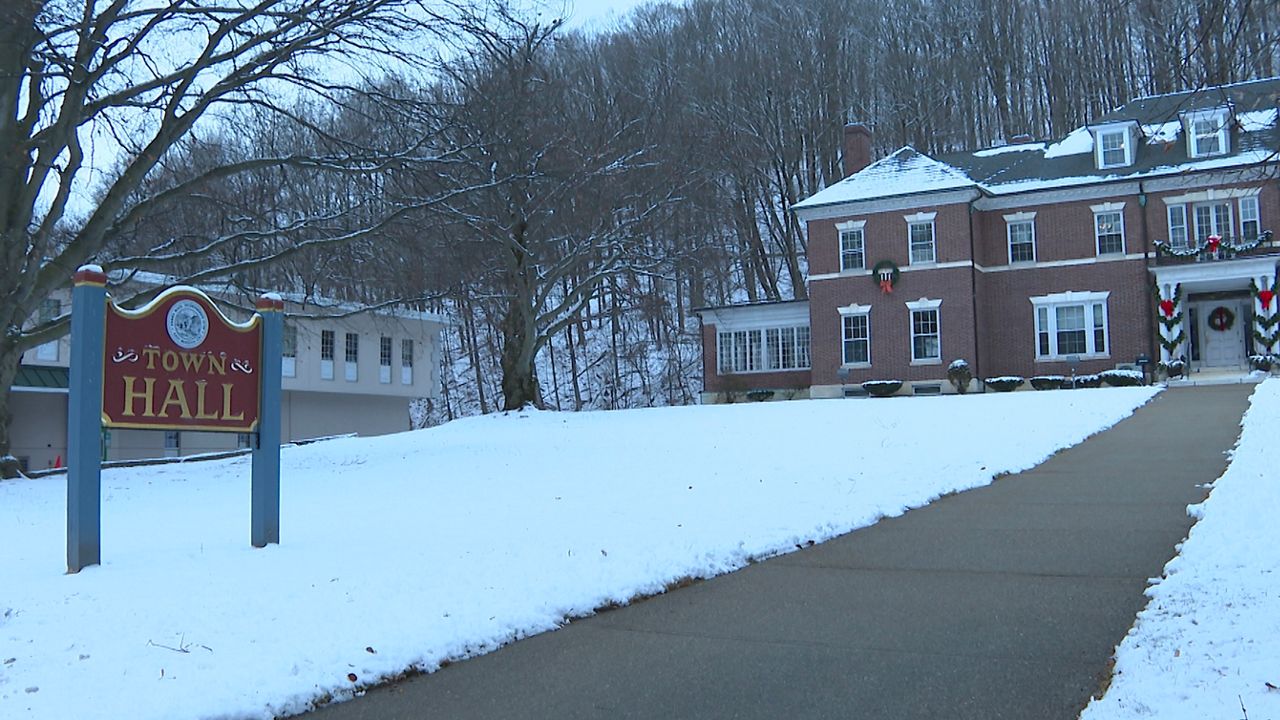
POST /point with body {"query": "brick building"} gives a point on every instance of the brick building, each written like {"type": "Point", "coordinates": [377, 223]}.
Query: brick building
{"type": "Point", "coordinates": [1145, 232]}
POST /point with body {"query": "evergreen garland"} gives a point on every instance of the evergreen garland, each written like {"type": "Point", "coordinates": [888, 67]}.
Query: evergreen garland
{"type": "Point", "coordinates": [1168, 339]}
{"type": "Point", "coordinates": [1265, 331]}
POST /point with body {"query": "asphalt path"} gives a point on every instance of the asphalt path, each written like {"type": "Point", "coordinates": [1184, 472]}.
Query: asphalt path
{"type": "Point", "coordinates": [1001, 602]}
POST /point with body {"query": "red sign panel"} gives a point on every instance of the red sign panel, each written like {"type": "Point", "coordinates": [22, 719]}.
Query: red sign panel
{"type": "Point", "coordinates": [178, 364]}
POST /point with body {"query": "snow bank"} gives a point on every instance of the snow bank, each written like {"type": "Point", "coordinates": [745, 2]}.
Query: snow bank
{"type": "Point", "coordinates": [403, 551]}
{"type": "Point", "coordinates": [1208, 643]}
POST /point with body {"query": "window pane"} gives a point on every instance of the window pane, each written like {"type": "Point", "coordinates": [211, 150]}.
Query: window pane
{"type": "Point", "coordinates": [724, 344]}
{"type": "Point", "coordinates": [1021, 242]}
{"type": "Point", "coordinates": [802, 347]}
{"type": "Point", "coordinates": [352, 347]}
{"type": "Point", "coordinates": [924, 335]}
{"type": "Point", "coordinates": [922, 250]}
{"type": "Point", "coordinates": [384, 351]}
{"type": "Point", "coordinates": [1113, 149]}
{"type": "Point", "coordinates": [289, 340]}
{"type": "Point", "coordinates": [1110, 230]}
{"type": "Point", "coordinates": [851, 251]}
{"type": "Point", "coordinates": [788, 348]}
{"type": "Point", "coordinates": [1071, 330]}
{"type": "Point", "coordinates": [326, 344]}
{"type": "Point", "coordinates": [1250, 227]}
{"type": "Point", "coordinates": [771, 349]}
{"type": "Point", "coordinates": [1099, 329]}
{"type": "Point", "coordinates": [856, 346]}
{"type": "Point", "coordinates": [1178, 226]}
{"type": "Point", "coordinates": [740, 351]}
{"type": "Point", "coordinates": [755, 349]}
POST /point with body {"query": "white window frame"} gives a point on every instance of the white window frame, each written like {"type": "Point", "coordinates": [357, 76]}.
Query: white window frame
{"type": "Point", "coordinates": [406, 361]}
{"type": "Point", "coordinates": [1099, 211]}
{"type": "Point", "coordinates": [919, 220]}
{"type": "Point", "coordinates": [1249, 213]}
{"type": "Point", "coordinates": [289, 350]}
{"type": "Point", "coordinates": [326, 360]}
{"type": "Point", "coordinates": [351, 356]}
{"type": "Point", "coordinates": [923, 306]}
{"type": "Point", "coordinates": [1217, 226]}
{"type": "Point", "coordinates": [385, 349]}
{"type": "Point", "coordinates": [747, 350]}
{"type": "Point", "coordinates": [1217, 120]}
{"type": "Point", "coordinates": [1126, 148]}
{"type": "Point", "coordinates": [846, 313]}
{"type": "Point", "coordinates": [1047, 323]}
{"type": "Point", "coordinates": [1022, 219]}
{"type": "Point", "coordinates": [852, 229]}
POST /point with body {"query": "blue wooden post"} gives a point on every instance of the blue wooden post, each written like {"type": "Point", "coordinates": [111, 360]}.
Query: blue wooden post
{"type": "Point", "coordinates": [265, 521]}
{"type": "Point", "coordinates": [84, 419]}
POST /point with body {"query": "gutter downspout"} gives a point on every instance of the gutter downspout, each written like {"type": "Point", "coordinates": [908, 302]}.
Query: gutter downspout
{"type": "Point", "coordinates": [1146, 256]}
{"type": "Point", "coordinates": [973, 283]}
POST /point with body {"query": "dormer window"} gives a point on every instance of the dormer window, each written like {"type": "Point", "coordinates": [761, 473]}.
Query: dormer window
{"type": "Point", "coordinates": [1207, 133]}
{"type": "Point", "coordinates": [1113, 145]}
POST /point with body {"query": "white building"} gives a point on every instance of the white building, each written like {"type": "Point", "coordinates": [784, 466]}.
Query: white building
{"type": "Point", "coordinates": [345, 370]}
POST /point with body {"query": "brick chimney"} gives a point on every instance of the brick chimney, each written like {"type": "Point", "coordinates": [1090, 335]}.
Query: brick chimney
{"type": "Point", "coordinates": [857, 148]}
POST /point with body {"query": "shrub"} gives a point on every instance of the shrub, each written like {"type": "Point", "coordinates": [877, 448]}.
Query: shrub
{"type": "Point", "coordinates": [1264, 362]}
{"type": "Point", "coordinates": [1004, 383]}
{"type": "Point", "coordinates": [759, 395]}
{"type": "Point", "coordinates": [1121, 378]}
{"type": "Point", "coordinates": [1085, 381]}
{"type": "Point", "coordinates": [959, 375]}
{"type": "Point", "coordinates": [882, 388]}
{"type": "Point", "coordinates": [1048, 382]}
{"type": "Point", "coordinates": [1173, 368]}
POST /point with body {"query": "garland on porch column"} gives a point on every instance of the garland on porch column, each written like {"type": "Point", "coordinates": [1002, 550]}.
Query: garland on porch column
{"type": "Point", "coordinates": [1266, 318]}
{"type": "Point", "coordinates": [1170, 315]}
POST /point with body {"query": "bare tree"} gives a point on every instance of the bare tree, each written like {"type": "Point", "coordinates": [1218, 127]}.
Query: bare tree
{"type": "Point", "coordinates": [82, 82]}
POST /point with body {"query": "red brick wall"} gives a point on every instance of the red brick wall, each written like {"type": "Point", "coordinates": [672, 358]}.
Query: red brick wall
{"type": "Point", "coordinates": [1007, 322]}
{"type": "Point", "coordinates": [1063, 232]}
{"type": "Point", "coordinates": [715, 382]}
{"type": "Point", "coordinates": [890, 324]}
{"type": "Point", "coordinates": [885, 237]}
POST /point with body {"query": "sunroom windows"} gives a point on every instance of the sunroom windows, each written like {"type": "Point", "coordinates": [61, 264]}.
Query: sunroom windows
{"type": "Point", "coordinates": [1071, 325]}
{"type": "Point", "coordinates": [763, 349]}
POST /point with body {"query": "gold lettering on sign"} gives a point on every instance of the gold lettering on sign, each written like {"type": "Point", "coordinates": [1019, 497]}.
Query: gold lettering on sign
{"type": "Point", "coordinates": [147, 396]}
{"type": "Point", "coordinates": [201, 386]}
{"type": "Point", "coordinates": [226, 403]}
{"type": "Point", "coordinates": [151, 353]}
{"type": "Point", "coordinates": [176, 395]}
{"type": "Point", "coordinates": [169, 361]}
{"type": "Point", "coordinates": [192, 362]}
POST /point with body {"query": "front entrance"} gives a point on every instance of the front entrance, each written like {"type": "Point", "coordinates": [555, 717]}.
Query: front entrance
{"type": "Point", "coordinates": [1220, 332]}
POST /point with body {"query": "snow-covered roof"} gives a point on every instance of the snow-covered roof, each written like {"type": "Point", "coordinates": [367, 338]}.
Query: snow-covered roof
{"type": "Point", "coordinates": [904, 172]}
{"type": "Point", "coordinates": [1069, 161]}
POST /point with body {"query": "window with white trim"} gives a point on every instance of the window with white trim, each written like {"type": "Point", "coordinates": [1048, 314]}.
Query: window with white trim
{"type": "Point", "coordinates": [1113, 148]}
{"type": "Point", "coordinates": [1178, 235]}
{"type": "Point", "coordinates": [406, 361]}
{"type": "Point", "coordinates": [384, 359]}
{"type": "Point", "coordinates": [289, 350]}
{"type": "Point", "coordinates": [1070, 325]}
{"type": "Point", "coordinates": [352, 356]}
{"type": "Point", "coordinates": [1250, 222]}
{"type": "Point", "coordinates": [926, 341]}
{"type": "Point", "coordinates": [50, 309]}
{"type": "Point", "coordinates": [921, 238]}
{"type": "Point", "coordinates": [1022, 237]}
{"type": "Point", "coordinates": [762, 349]}
{"type": "Point", "coordinates": [852, 251]}
{"type": "Point", "coordinates": [1207, 134]}
{"type": "Point", "coordinates": [326, 354]}
{"type": "Point", "coordinates": [1108, 228]}
{"type": "Point", "coordinates": [856, 332]}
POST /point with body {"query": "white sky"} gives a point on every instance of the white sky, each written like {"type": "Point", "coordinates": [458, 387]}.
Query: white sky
{"type": "Point", "coordinates": [596, 14]}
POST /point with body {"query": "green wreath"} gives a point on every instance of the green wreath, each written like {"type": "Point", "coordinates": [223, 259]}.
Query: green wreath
{"type": "Point", "coordinates": [1221, 319]}
{"type": "Point", "coordinates": [877, 274]}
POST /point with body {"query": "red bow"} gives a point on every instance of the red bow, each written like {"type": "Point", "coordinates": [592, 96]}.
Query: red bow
{"type": "Point", "coordinates": [886, 285]}
{"type": "Point", "coordinates": [1214, 241]}
{"type": "Point", "coordinates": [1265, 296]}
{"type": "Point", "coordinates": [1166, 306]}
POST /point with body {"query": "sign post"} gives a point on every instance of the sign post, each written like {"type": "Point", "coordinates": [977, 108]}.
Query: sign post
{"type": "Point", "coordinates": [176, 363]}
{"type": "Point", "coordinates": [84, 424]}
{"type": "Point", "coordinates": [265, 516]}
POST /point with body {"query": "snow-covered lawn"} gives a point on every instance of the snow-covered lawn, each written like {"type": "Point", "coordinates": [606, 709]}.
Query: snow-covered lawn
{"type": "Point", "coordinates": [1208, 643]}
{"type": "Point", "coordinates": [407, 550]}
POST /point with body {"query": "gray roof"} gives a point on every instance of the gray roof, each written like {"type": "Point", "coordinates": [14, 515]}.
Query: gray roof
{"type": "Point", "coordinates": [1161, 150]}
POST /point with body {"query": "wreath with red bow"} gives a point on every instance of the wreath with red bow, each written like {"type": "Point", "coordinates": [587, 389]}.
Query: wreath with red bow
{"type": "Point", "coordinates": [1221, 319]}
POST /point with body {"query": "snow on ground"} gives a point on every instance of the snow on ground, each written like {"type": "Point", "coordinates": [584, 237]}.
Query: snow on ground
{"type": "Point", "coordinates": [1208, 643]}
{"type": "Point", "coordinates": [406, 550]}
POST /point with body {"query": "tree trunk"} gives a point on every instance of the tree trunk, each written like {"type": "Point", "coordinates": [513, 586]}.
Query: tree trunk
{"type": "Point", "coordinates": [519, 374]}
{"type": "Point", "coordinates": [10, 356]}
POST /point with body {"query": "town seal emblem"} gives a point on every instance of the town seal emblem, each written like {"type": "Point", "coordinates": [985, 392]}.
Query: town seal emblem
{"type": "Point", "coordinates": [187, 323]}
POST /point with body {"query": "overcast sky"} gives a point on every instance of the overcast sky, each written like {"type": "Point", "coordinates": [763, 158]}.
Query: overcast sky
{"type": "Point", "coordinates": [596, 14]}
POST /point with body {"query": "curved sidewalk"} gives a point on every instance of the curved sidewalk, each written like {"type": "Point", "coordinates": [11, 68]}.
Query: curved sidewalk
{"type": "Point", "coordinates": [1001, 602]}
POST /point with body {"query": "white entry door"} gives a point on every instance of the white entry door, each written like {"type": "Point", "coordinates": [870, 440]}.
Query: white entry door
{"type": "Point", "coordinates": [1222, 326]}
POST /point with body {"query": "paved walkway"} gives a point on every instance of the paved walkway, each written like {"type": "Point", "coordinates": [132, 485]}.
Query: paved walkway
{"type": "Point", "coordinates": [1001, 602]}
